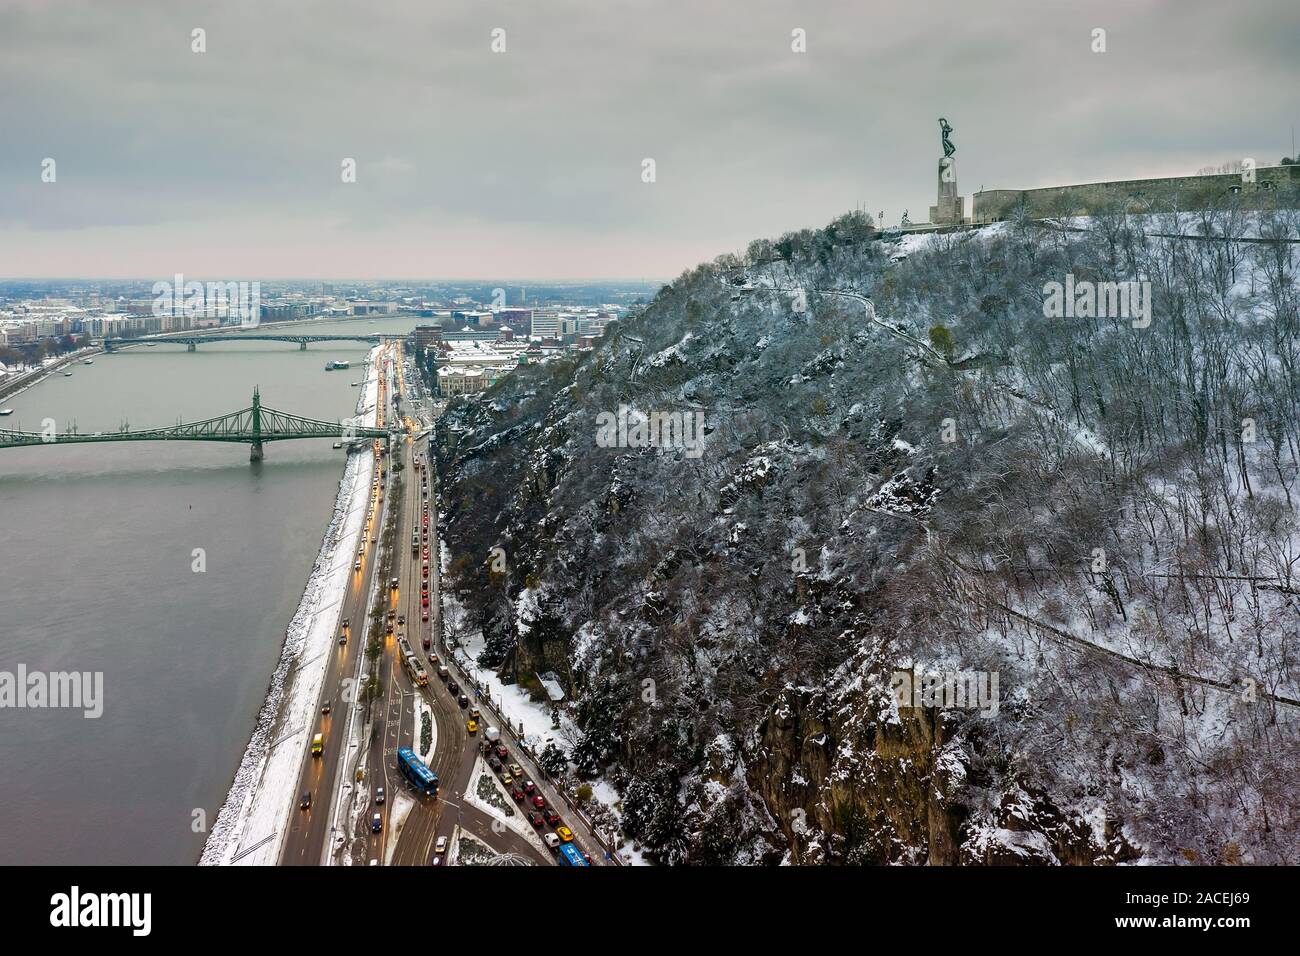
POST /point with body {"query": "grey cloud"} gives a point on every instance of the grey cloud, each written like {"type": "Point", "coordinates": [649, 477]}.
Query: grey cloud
{"type": "Point", "coordinates": [544, 142]}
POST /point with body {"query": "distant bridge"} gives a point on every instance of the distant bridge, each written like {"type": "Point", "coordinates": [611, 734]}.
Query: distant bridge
{"type": "Point", "coordinates": [254, 426]}
{"type": "Point", "coordinates": [191, 342]}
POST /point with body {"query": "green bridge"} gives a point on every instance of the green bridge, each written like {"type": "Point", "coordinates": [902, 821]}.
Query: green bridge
{"type": "Point", "coordinates": [253, 426]}
{"type": "Point", "coordinates": [192, 342]}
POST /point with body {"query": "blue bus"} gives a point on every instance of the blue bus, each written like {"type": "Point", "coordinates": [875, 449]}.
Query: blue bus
{"type": "Point", "coordinates": [413, 769]}
{"type": "Point", "coordinates": [569, 856]}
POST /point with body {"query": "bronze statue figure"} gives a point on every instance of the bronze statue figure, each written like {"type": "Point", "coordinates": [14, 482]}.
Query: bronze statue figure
{"type": "Point", "coordinates": [944, 130]}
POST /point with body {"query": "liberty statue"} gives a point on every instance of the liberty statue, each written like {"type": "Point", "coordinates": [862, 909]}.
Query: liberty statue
{"type": "Point", "coordinates": [944, 130]}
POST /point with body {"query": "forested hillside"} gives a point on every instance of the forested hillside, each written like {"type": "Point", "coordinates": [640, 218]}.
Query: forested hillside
{"type": "Point", "coordinates": [925, 473]}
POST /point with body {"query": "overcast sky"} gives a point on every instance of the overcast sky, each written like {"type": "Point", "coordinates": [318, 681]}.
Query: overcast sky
{"type": "Point", "coordinates": [527, 163]}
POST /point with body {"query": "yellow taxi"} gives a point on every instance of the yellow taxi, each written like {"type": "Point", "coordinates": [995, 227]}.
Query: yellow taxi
{"type": "Point", "coordinates": [471, 726]}
{"type": "Point", "coordinates": [564, 833]}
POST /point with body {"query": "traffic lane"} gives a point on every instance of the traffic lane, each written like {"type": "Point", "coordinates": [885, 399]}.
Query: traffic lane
{"type": "Point", "coordinates": [404, 730]}
{"type": "Point", "coordinates": [488, 830]}
{"type": "Point", "coordinates": [460, 763]}
{"type": "Point", "coordinates": [306, 834]}
{"type": "Point", "coordinates": [583, 838]}
{"type": "Point", "coordinates": [310, 839]}
{"type": "Point", "coordinates": [342, 665]}
{"type": "Point", "coordinates": [376, 760]}
{"type": "Point", "coordinates": [418, 835]}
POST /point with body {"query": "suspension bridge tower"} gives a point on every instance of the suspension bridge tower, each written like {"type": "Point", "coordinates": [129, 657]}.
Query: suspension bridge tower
{"type": "Point", "coordinates": [255, 452]}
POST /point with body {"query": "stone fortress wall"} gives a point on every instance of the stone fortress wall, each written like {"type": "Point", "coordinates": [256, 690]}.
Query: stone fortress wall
{"type": "Point", "coordinates": [1271, 184]}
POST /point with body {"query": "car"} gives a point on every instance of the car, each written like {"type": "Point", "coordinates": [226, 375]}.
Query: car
{"type": "Point", "coordinates": [343, 639]}
{"type": "Point", "coordinates": [507, 779]}
{"type": "Point", "coordinates": [318, 745]}
{"type": "Point", "coordinates": [517, 770]}
{"type": "Point", "coordinates": [471, 726]}
{"type": "Point", "coordinates": [539, 802]}
{"type": "Point", "coordinates": [392, 615]}
{"type": "Point", "coordinates": [389, 627]}
{"type": "Point", "coordinates": [535, 819]}
{"type": "Point", "coordinates": [552, 818]}
{"type": "Point", "coordinates": [436, 861]}
{"type": "Point", "coordinates": [424, 616]}
{"type": "Point", "coordinates": [325, 707]}
{"type": "Point", "coordinates": [376, 823]}
{"type": "Point", "coordinates": [453, 687]}
{"type": "Point", "coordinates": [517, 794]}
{"type": "Point", "coordinates": [501, 752]}
{"type": "Point", "coordinates": [441, 846]}
{"type": "Point", "coordinates": [495, 764]}
{"type": "Point", "coordinates": [552, 840]}
{"type": "Point", "coordinates": [530, 788]}
{"type": "Point", "coordinates": [379, 795]}
{"type": "Point", "coordinates": [305, 802]}
{"type": "Point", "coordinates": [356, 566]}
{"type": "Point", "coordinates": [424, 601]}
{"type": "Point", "coordinates": [426, 642]}
{"type": "Point", "coordinates": [346, 623]}
{"type": "Point", "coordinates": [401, 619]}
{"type": "Point", "coordinates": [564, 833]}
{"type": "Point", "coordinates": [474, 712]}
{"type": "Point", "coordinates": [463, 701]}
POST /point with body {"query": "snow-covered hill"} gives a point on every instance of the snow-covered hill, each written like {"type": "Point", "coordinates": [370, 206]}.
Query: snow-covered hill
{"type": "Point", "coordinates": [921, 475]}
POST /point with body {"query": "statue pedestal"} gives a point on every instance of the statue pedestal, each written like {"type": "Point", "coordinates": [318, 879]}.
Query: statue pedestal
{"type": "Point", "coordinates": [950, 208]}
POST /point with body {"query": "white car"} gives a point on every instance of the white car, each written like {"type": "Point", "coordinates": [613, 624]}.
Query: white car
{"type": "Point", "coordinates": [552, 840]}
{"type": "Point", "coordinates": [441, 846]}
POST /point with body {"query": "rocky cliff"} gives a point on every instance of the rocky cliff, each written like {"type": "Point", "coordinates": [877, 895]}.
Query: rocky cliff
{"type": "Point", "coordinates": [806, 470]}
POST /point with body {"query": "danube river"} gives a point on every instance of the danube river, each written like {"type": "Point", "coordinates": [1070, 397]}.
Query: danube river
{"type": "Point", "coordinates": [97, 573]}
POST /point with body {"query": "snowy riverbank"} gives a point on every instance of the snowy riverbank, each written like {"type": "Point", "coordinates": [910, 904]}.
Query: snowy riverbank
{"type": "Point", "coordinates": [251, 825]}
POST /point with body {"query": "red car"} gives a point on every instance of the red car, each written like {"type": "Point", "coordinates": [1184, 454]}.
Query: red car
{"type": "Point", "coordinates": [501, 752]}
{"type": "Point", "coordinates": [539, 802]}
{"type": "Point", "coordinates": [530, 788]}
{"type": "Point", "coordinates": [552, 818]}
{"type": "Point", "coordinates": [427, 642]}
{"type": "Point", "coordinates": [424, 601]}
{"type": "Point", "coordinates": [536, 820]}
{"type": "Point", "coordinates": [517, 794]}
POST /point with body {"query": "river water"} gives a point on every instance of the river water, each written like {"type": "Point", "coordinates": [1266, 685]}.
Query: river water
{"type": "Point", "coordinates": [97, 573]}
